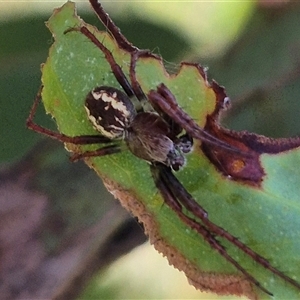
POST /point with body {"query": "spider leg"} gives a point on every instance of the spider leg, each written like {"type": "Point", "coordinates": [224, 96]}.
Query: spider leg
{"type": "Point", "coordinates": [165, 100]}
{"type": "Point", "coordinates": [134, 82]}
{"type": "Point", "coordinates": [169, 190]}
{"type": "Point", "coordinates": [192, 206]}
{"type": "Point", "coordinates": [77, 140]}
{"type": "Point", "coordinates": [107, 150]}
{"type": "Point", "coordinates": [124, 44]}
{"type": "Point", "coordinates": [116, 69]}
{"type": "Point", "coordinates": [111, 27]}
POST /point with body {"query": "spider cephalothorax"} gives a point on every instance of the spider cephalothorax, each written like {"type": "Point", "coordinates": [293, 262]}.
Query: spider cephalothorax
{"type": "Point", "coordinates": [160, 135]}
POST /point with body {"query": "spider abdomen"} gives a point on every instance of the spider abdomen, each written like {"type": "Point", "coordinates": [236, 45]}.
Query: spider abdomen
{"type": "Point", "coordinates": [110, 111]}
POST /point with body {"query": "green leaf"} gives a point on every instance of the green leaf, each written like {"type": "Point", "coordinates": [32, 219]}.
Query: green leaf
{"type": "Point", "coordinates": [263, 216]}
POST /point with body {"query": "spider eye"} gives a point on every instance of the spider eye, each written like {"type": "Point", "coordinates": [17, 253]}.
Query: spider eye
{"type": "Point", "coordinates": [110, 111]}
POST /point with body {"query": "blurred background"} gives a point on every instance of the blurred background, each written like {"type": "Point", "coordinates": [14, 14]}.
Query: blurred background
{"type": "Point", "coordinates": [252, 48]}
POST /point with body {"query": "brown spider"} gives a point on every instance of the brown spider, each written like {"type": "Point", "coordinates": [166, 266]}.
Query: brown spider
{"type": "Point", "coordinates": [160, 136]}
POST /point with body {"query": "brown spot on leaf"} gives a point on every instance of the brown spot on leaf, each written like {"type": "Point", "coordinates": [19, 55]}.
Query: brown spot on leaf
{"type": "Point", "coordinates": [243, 166]}
{"type": "Point", "coordinates": [238, 165]}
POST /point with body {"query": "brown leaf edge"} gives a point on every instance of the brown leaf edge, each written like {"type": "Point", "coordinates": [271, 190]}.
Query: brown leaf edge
{"type": "Point", "coordinates": [221, 284]}
{"type": "Point", "coordinates": [243, 168]}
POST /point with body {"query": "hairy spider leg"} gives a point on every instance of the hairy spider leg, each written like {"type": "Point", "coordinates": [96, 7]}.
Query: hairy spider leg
{"type": "Point", "coordinates": [192, 206]}
{"type": "Point", "coordinates": [169, 187]}
{"type": "Point", "coordinates": [76, 140]}
{"type": "Point", "coordinates": [107, 150]}
{"type": "Point", "coordinates": [165, 100]}
{"type": "Point", "coordinates": [134, 82]}
{"type": "Point", "coordinates": [114, 31]}
{"type": "Point", "coordinates": [116, 69]}
{"type": "Point", "coordinates": [123, 43]}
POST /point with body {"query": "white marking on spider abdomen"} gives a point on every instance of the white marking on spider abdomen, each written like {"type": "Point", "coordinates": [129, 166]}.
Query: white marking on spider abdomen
{"type": "Point", "coordinates": [111, 99]}
{"type": "Point", "coordinates": [112, 132]}
{"type": "Point", "coordinates": [120, 121]}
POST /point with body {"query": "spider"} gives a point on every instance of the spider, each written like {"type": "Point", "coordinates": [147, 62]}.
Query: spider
{"type": "Point", "coordinates": [161, 135]}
